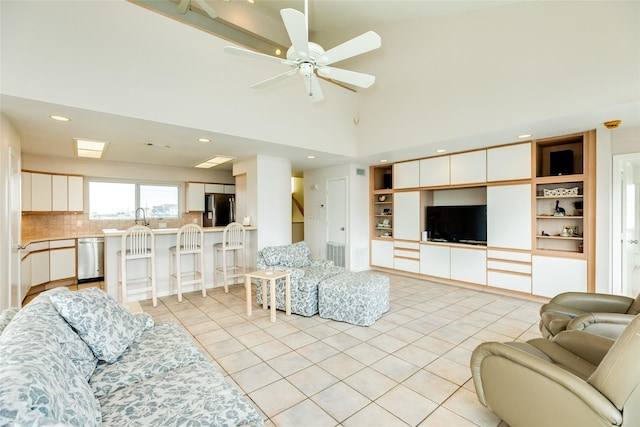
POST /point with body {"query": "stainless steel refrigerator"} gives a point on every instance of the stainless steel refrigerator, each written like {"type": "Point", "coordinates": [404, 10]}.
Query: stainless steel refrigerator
{"type": "Point", "coordinates": [219, 210]}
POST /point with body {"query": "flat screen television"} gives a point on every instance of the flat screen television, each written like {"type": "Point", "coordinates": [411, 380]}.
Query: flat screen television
{"type": "Point", "coordinates": [459, 224]}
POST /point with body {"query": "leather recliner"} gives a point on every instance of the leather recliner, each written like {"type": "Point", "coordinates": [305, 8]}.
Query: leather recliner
{"type": "Point", "coordinates": [601, 314]}
{"type": "Point", "coordinates": [575, 379]}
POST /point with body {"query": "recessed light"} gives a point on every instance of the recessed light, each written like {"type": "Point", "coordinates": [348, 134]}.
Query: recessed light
{"type": "Point", "coordinates": [278, 52]}
{"type": "Point", "coordinates": [384, 161]}
{"type": "Point", "coordinates": [60, 118]}
{"type": "Point", "coordinates": [441, 150]}
{"type": "Point", "coordinates": [251, 1]}
{"type": "Point", "coordinates": [311, 157]}
{"type": "Point", "coordinates": [525, 135]}
{"type": "Point", "coordinates": [204, 140]}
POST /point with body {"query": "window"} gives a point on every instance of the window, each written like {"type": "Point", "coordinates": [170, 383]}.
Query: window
{"type": "Point", "coordinates": [119, 200]}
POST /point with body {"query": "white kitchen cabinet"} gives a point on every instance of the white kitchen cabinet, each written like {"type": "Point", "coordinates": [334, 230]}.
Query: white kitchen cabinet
{"type": "Point", "coordinates": [195, 197]}
{"type": "Point", "coordinates": [382, 253]}
{"type": "Point", "coordinates": [434, 172]}
{"type": "Point", "coordinates": [25, 184]}
{"type": "Point", "coordinates": [62, 262]}
{"type": "Point", "coordinates": [469, 265]}
{"type": "Point", "coordinates": [554, 275]}
{"type": "Point", "coordinates": [509, 216]}
{"type": "Point", "coordinates": [435, 260]}
{"type": "Point", "coordinates": [468, 168]}
{"type": "Point", "coordinates": [25, 273]}
{"type": "Point", "coordinates": [76, 193]}
{"type": "Point", "coordinates": [509, 162]}
{"type": "Point", "coordinates": [406, 174]}
{"type": "Point", "coordinates": [39, 267]}
{"type": "Point", "coordinates": [406, 215]}
{"type": "Point", "coordinates": [40, 192]}
{"type": "Point", "coordinates": [59, 193]}
{"type": "Point", "coordinates": [214, 188]}
{"type": "Point", "coordinates": [229, 189]}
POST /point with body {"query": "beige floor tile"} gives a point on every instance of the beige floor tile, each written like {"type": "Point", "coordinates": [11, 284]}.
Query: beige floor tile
{"type": "Point", "coordinates": [465, 403]}
{"type": "Point", "coordinates": [431, 386]}
{"type": "Point", "coordinates": [416, 355]}
{"type": "Point", "coordinates": [238, 361]}
{"type": "Point", "coordinates": [340, 401]}
{"type": "Point", "coordinates": [317, 351]}
{"type": "Point", "coordinates": [341, 341]}
{"type": "Point", "coordinates": [387, 343]}
{"type": "Point", "coordinates": [449, 370]}
{"type": "Point", "coordinates": [305, 413]}
{"type": "Point", "coordinates": [442, 417]}
{"type": "Point", "coordinates": [270, 349]}
{"type": "Point", "coordinates": [312, 380]}
{"type": "Point", "coordinates": [289, 363]}
{"type": "Point", "coordinates": [256, 377]}
{"type": "Point", "coordinates": [395, 368]}
{"type": "Point", "coordinates": [224, 348]}
{"type": "Point", "coordinates": [341, 365]}
{"type": "Point", "coordinates": [370, 383]}
{"type": "Point", "coordinates": [374, 415]}
{"type": "Point", "coordinates": [407, 405]}
{"type": "Point", "coordinates": [297, 339]}
{"type": "Point", "coordinates": [366, 353]}
{"type": "Point", "coordinates": [277, 397]}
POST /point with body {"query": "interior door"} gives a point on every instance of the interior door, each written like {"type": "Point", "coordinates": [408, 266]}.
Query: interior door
{"type": "Point", "coordinates": [337, 211]}
{"type": "Point", "coordinates": [16, 236]}
{"type": "Point", "coordinates": [626, 224]}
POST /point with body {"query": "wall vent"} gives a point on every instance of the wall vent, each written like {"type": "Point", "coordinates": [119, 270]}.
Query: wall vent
{"type": "Point", "coordinates": [336, 253]}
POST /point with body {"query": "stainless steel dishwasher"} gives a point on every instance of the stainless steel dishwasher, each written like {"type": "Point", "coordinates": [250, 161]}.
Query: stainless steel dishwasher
{"type": "Point", "coordinates": [90, 259]}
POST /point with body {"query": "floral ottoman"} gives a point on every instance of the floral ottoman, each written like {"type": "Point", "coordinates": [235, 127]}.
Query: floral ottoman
{"type": "Point", "coordinates": [357, 298]}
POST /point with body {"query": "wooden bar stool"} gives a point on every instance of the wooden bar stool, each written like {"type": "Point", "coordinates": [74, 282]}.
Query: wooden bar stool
{"type": "Point", "coordinates": [232, 242]}
{"type": "Point", "coordinates": [189, 241]}
{"type": "Point", "coordinates": [138, 243]}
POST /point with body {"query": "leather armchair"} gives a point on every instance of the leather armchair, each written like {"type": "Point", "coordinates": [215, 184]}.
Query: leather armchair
{"type": "Point", "coordinates": [575, 379]}
{"type": "Point", "coordinates": [601, 314]}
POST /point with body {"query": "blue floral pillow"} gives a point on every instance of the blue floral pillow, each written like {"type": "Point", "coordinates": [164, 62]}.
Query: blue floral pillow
{"type": "Point", "coordinates": [106, 326]}
{"type": "Point", "coordinates": [296, 255]}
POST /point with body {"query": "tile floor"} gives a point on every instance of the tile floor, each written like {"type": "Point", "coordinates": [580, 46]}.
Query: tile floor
{"type": "Point", "coordinates": [409, 369]}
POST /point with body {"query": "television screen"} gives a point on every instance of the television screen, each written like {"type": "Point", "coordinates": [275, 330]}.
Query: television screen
{"type": "Point", "coordinates": [460, 224]}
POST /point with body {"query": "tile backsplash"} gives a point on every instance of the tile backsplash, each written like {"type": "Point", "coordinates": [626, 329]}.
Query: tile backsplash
{"type": "Point", "coordinates": [63, 225]}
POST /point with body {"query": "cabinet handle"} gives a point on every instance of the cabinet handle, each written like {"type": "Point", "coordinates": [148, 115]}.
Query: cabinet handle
{"type": "Point", "coordinates": [633, 242]}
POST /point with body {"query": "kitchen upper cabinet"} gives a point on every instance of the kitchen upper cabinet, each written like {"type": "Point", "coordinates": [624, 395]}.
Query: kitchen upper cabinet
{"type": "Point", "coordinates": [76, 193]}
{"type": "Point", "coordinates": [509, 216]}
{"type": "Point", "coordinates": [406, 174]}
{"type": "Point", "coordinates": [468, 168]}
{"type": "Point", "coordinates": [229, 189]}
{"type": "Point", "coordinates": [434, 172]}
{"type": "Point", "coordinates": [25, 183]}
{"type": "Point", "coordinates": [40, 192]}
{"type": "Point", "coordinates": [509, 163]}
{"type": "Point", "coordinates": [195, 197]}
{"type": "Point", "coordinates": [214, 188]}
{"type": "Point", "coordinates": [406, 215]}
{"type": "Point", "coordinates": [59, 193]}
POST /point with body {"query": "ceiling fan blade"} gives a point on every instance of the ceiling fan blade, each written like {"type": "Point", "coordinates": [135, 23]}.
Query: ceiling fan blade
{"type": "Point", "coordinates": [296, 25]}
{"type": "Point", "coordinates": [208, 9]}
{"type": "Point", "coordinates": [183, 6]}
{"type": "Point", "coordinates": [356, 46]}
{"type": "Point", "coordinates": [312, 87]}
{"type": "Point", "coordinates": [350, 77]}
{"type": "Point", "coordinates": [273, 80]}
{"type": "Point", "coordinates": [256, 55]}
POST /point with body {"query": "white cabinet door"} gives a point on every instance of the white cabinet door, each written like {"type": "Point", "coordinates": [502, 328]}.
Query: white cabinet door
{"type": "Point", "coordinates": [509, 216]}
{"type": "Point", "coordinates": [468, 168]}
{"type": "Point", "coordinates": [25, 184]}
{"type": "Point", "coordinates": [552, 275]}
{"type": "Point", "coordinates": [406, 174]}
{"type": "Point", "coordinates": [195, 197]}
{"type": "Point", "coordinates": [406, 215]}
{"type": "Point", "coordinates": [469, 265]}
{"type": "Point", "coordinates": [62, 263]}
{"type": "Point", "coordinates": [214, 188]}
{"type": "Point", "coordinates": [39, 267]}
{"type": "Point", "coordinates": [434, 172]}
{"type": "Point", "coordinates": [510, 162]}
{"type": "Point", "coordinates": [59, 193]}
{"type": "Point", "coordinates": [76, 193]}
{"type": "Point", "coordinates": [40, 192]}
{"type": "Point", "coordinates": [229, 189]}
{"type": "Point", "coordinates": [435, 261]}
{"type": "Point", "coordinates": [382, 253]}
{"type": "Point", "coordinates": [25, 276]}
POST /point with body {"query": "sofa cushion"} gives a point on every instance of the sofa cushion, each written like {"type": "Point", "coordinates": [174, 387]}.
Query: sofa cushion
{"type": "Point", "coordinates": [39, 384]}
{"type": "Point", "coordinates": [296, 255]}
{"type": "Point", "coordinates": [106, 326]}
{"type": "Point", "coordinates": [160, 349]}
{"type": "Point", "coordinates": [6, 316]}
{"type": "Point", "coordinates": [196, 394]}
{"type": "Point", "coordinates": [41, 315]}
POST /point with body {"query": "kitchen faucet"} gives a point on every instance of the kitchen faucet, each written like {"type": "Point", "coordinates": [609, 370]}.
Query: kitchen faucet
{"type": "Point", "coordinates": [144, 217]}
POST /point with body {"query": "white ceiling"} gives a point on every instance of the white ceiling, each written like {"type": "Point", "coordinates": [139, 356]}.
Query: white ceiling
{"type": "Point", "coordinates": [128, 136]}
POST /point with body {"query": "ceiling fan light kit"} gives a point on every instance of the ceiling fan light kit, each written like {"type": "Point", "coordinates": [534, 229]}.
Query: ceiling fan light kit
{"type": "Point", "coordinates": [310, 60]}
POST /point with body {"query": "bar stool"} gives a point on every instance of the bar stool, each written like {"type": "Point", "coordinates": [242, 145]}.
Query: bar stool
{"type": "Point", "coordinates": [138, 243]}
{"type": "Point", "coordinates": [232, 242]}
{"type": "Point", "coordinates": [189, 241]}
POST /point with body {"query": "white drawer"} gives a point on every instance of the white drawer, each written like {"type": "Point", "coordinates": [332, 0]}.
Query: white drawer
{"type": "Point", "coordinates": [406, 245]}
{"type": "Point", "coordinates": [66, 243]}
{"type": "Point", "coordinates": [410, 265]}
{"type": "Point", "coordinates": [512, 282]}
{"type": "Point", "coordinates": [509, 256]}
{"type": "Point", "coordinates": [39, 246]}
{"type": "Point", "coordinates": [509, 266]}
{"type": "Point", "coordinates": [406, 253]}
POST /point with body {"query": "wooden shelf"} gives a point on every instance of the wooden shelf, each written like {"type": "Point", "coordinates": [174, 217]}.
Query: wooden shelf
{"type": "Point", "coordinates": [560, 237]}
{"type": "Point", "coordinates": [578, 196]}
{"type": "Point", "coordinates": [559, 217]}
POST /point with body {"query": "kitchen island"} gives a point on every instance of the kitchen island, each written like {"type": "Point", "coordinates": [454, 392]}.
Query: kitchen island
{"type": "Point", "coordinates": [165, 238]}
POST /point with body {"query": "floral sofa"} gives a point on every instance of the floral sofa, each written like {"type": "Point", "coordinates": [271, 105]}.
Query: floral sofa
{"type": "Point", "coordinates": [81, 359]}
{"type": "Point", "coordinates": [305, 274]}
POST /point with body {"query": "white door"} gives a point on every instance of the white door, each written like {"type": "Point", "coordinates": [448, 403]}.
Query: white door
{"type": "Point", "coordinates": [337, 211]}
{"type": "Point", "coordinates": [15, 237]}
{"type": "Point", "coordinates": [626, 224]}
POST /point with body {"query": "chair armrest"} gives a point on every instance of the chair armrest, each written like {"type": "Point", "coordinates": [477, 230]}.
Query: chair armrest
{"type": "Point", "coordinates": [588, 302]}
{"type": "Point", "coordinates": [609, 325]}
{"type": "Point", "coordinates": [325, 263]}
{"type": "Point", "coordinates": [294, 273]}
{"type": "Point", "coordinates": [589, 347]}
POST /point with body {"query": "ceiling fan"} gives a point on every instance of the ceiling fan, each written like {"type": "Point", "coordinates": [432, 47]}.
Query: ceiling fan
{"type": "Point", "coordinates": [310, 60]}
{"type": "Point", "coordinates": [186, 4]}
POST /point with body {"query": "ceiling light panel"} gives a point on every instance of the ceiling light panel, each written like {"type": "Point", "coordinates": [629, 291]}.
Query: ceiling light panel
{"type": "Point", "coordinates": [89, 148]}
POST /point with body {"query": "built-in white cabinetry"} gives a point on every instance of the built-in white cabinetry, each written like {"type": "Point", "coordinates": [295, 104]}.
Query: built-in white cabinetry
{"type": "Point", "coordinates": [406, 219]}
{"type": "Point", "coordinates": [39, 255]}
{"type": "Point", "coordinates": [434, 172]}
{"type": "Point", "coordinates": [59, 193]}
{"type": "Point", "coordinates": [229, 189]}
{"type": "Point", "coordinates": [76, 193]}
{"type": "Point", "coordinates": [25, 183]}
{"type": "Point", "coordinates": [43, 192]}
{"type": "Point", "coordinates": [40, 192]}
{"type": "Point", "coordinates": [469, 265]}
{"type": "Point", "coordinates": [468, 168]}
{"type": "Point", "coordinates": [195, 197]}
{"type": "Point", "coordinates": [382, 253]}
{"type": "Point", "coordinates": [554, 275]}
{"type": "Point", "coordinates": [509, 216]}
{"type": "Point", "coordinates": [62, 259]}
{"type": "Point", "coordinates": [509, 270]}
{"type": "Point", "coordinates": [435, 260]}
{"type": "Point", "coordinates": [406, 256]}
{"type": "Point", "coordinates": [214, 188]}
{"type": "Point", "coordinates": [511, 162]}
{"type": "Point", "coordinates": [25, 273]}
{"type": "Point", "coordinates": [406, 175]}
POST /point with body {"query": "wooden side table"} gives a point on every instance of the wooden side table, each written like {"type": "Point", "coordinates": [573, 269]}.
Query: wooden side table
{"type": "Point", "coordinates": [269, 277]}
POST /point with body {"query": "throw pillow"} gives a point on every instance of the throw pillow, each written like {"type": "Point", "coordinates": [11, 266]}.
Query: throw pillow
{"type": "Point", "coordinates": [106, 326]}
{"type": "Point", "coordinates": [296, 255]}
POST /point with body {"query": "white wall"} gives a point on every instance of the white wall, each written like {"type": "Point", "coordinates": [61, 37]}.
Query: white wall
{"type": "Point", "coordinates": [9, 141]}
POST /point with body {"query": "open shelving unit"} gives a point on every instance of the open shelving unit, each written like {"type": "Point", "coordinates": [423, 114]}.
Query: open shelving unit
{"type": "Point", "coordinates": [381, 221]}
